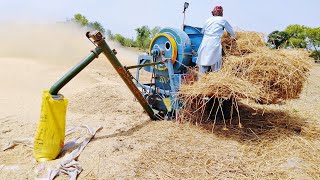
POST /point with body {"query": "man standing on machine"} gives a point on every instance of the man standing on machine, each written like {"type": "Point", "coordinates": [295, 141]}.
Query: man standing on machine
{"type": "Point", "coordinates": [210, 50]}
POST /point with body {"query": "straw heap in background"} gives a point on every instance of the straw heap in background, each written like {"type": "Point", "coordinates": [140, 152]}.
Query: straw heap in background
{"type": "Point", "coordinates": [251, 71]}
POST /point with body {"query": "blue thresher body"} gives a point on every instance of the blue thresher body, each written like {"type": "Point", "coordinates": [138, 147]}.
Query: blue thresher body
{"type": "Point", "coordinates": [177, 49]}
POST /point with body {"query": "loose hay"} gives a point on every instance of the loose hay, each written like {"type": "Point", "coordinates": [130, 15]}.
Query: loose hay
{"type": "Point", "coordinates": [250, 71]}
{"type": "Point", "coordinates": [223, 89]}
{"type": "Point", "coordinates": [247, 42]}
{"type": "Point", "coordinates": [277, 145]}
{"type": "Point", "coordinates": [281, 74]}
{"type": "Point", "coordinates": [222, 85]}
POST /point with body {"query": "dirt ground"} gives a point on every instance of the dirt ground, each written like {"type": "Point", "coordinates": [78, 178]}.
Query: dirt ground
{"type": "Point", "coordinates": [282, 144]}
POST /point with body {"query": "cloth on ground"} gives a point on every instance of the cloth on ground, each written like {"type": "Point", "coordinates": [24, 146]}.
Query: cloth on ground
{"type": "Point", "coordinates": [68, 164]}
{"type": "Point", "coordinates": [24, 141]}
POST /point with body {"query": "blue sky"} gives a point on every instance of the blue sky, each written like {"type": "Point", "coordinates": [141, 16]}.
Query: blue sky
{"type": "Point", "coordinates": [123, 16]}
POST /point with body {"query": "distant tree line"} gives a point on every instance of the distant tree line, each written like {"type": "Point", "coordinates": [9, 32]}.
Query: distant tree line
{"type": "Point", "coordinates": [142, 40]}
{"type": "Point", "coordinates": [83, 21]}
{"type": "Point", "coordinates": [294, 36]}
{"type": "Point", "coordinates": [297, 36]}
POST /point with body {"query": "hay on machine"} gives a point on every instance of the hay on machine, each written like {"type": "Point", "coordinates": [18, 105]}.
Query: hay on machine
{"type": "Point", "coordinates": [247, 42]}
{"type": "Point", "coordinates": [252, 72]}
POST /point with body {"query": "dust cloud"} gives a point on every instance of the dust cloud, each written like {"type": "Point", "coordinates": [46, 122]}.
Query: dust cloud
{"type": "Point", "coordinates": [34, 56]}
{"type": "Point", "coordinates": [57, 43]}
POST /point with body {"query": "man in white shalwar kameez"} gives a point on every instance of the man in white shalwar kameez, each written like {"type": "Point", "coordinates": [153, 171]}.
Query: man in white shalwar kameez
{"type": "Point", "coordinates": [210, 50]}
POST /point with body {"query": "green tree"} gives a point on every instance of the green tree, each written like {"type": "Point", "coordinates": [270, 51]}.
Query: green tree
{"type": "Point", "coordinates": [315, 54]}
{"type": "Point", "coordinates": [83, 21]}
{"type": "Point", "coordinates": [96, 26]}
{"type": "Point", "coordinates": [109, 34]}
{"type": "Point", "coordinates": [154, 31]}
{"type": "Point", "coordinates": [119, 38]}
{"type": "Point", "coordinates": [313, 36]}
{"type": "Point", "coordinates": [297, 36]}
{"type": "Point", "coordinates": [143, 37]}
{"type": "Point", "coordinates": [80, 19]}
{"type": "Point", "coordinates": [129, 42]}
{"type": "Point", "coordinates": [278, 39]}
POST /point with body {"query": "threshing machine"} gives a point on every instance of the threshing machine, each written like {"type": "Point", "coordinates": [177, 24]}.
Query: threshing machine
{"type": "Point", "coordinates": [171, 51]}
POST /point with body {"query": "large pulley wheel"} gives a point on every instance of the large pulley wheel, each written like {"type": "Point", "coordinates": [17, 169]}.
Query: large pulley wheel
{"type": "Point", "coordinates": [167, 46]}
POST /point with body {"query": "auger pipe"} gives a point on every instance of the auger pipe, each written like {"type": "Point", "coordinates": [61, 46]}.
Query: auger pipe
{"type": "Point", "coordinates": [126, 76]}
{"type": "Point", "coordinates": [74, 71]}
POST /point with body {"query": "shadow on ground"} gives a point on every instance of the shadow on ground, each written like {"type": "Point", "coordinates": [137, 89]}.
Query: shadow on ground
{"type": "Point", "coordinates": [261, 124]}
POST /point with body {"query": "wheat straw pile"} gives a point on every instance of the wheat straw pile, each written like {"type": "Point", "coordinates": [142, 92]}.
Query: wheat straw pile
{"type": "Point", "coordinates": [250, 71]}
{"type": "Point", "coordinates": [280, 74]}
{"type": "Point", "coordinates": [247, 42]}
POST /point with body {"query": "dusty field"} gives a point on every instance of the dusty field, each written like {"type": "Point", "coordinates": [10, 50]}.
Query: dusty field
{"type": "Point", "coordinates": [284, 143]}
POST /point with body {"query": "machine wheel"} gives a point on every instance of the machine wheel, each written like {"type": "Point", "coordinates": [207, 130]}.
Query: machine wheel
{"type": "Point", "coordinates": [156, 102]}
{"type": "Point", "coordinates": [166, 44]}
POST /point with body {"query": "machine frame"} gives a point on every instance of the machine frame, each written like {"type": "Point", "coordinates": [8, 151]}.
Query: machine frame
{"type": "Point", "coordinates": [161, 93]}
